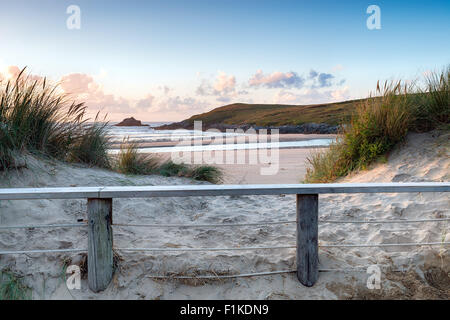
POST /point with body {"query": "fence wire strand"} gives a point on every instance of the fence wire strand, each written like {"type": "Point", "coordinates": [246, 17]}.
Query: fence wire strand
{"type": "Point", "coordinates": [43, 251]}
{"type": "Point", "coordinates": [77, 225]}
{"type": "Point", "coordinates": [224, 225]}
{"type": "Point", "coordinates": [350, 245]}
{"type": "Point", "coordinates": [203, 225]}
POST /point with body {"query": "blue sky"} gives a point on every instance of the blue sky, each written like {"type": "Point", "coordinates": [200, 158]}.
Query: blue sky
{"type": "Point", "coordinates": [166, 60]}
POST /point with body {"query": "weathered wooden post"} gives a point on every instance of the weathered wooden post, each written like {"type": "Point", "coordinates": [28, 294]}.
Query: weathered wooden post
{"type": "Point", "coordinates": [307, 239]}
{"type": "Point", "coordinates": [100, 242]}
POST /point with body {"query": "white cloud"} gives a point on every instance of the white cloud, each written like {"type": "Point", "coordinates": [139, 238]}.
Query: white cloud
{"type": "Point", "coordinates": [83, 87]}
{"type": "Point", "coordinates": [276, 80]}
{"type": "Point", "coordinates": [311, 96]}
{"type": "Point", "coordinates": [224, 83]}
{"type": "Point", "coordinates": [223, 88]}
{"type": "Point", "coordinates": [145, 103]}
{"type": "Point", "coordinates": [12, 72]}
{"type": "Point", "coordinates": [338, 67]}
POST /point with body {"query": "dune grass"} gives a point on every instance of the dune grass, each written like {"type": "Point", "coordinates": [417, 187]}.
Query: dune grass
{"type": "Point", "coordinates": [380, 123]}
{"type": "Point", "coordinates": [130, 161]}
{"type": "Point", "coordinates": [171, 169]}
{"type": "Point", "coordinates": [207, 173]}
{"type": "Point", "coordinates": [12, 287]}
{"type": "Point", "coordinates": [432, 108]}
{"type": "Point", "coordinates": [201, 173]}
{"type": "Point", "coordinates": [92, 146]}
{"type": "Point", "coordinates": [36, 117]}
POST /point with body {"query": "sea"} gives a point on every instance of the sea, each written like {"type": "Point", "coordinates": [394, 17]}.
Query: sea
{"type": "Point", "coordinates": [147, 134]}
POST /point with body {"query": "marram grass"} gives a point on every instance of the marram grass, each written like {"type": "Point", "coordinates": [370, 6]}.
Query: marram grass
{"type": "Point", "coordinates": [36, 117]}
{"type": "Point", "coordinates": [130, 161]}
{"type": "Point", "coordinates": [380, 123]}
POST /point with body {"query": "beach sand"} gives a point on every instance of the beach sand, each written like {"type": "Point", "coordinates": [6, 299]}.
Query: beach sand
{"type": "Point", "coordinates": [289, 167]}
{"type": "Point", "coordinates": [406, 272]}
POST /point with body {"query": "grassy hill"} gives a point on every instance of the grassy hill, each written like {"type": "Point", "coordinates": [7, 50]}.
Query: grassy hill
{"type": "Point", "coordinates": [277, 114]}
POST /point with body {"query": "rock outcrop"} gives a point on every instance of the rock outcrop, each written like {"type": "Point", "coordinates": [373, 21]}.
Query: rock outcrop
{"type": "Point", "coordinates": [130, 122]}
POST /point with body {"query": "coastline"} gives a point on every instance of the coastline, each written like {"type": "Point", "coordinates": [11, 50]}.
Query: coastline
{"type": "Point", "coordinates": [305, 128]}
{"type": "Point", "coordinates": [285, 137]}
{"type": "Point", "coordinates": [291, 162]}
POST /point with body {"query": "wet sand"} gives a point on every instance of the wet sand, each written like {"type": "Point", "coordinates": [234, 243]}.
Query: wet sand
{"type": "Point", "coordinates": [206, 140]}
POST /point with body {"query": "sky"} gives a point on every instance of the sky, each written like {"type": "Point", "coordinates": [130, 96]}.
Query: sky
{"type": "Point", "coordinates": [167, 60]}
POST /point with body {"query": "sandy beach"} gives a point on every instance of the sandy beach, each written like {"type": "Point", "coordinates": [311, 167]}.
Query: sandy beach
{"type": "Point", "coordinates": [291, 162]}
{"type": "Point", "coordinates": [407, 272]}
{"type": "Point", "coordinates": [291, 167]}
{"type": "Point", "coordinates": [188, 141]}
{"type": "Point", "coordinates": [233, 151]}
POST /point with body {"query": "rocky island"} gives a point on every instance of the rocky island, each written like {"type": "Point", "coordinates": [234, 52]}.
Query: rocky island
{"type": "Point", "coordinates": [130, 122]}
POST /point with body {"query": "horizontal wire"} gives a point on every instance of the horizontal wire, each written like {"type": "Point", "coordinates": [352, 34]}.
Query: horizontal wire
{"type": "Point", "coordinates": [272, 223]}
{"type": "Point", "coordinates": [43, 251]}
{"type": "Point", "coordinates": [288, 247]}
{"type": "Point", "coordinates": [202, 225]}
{"type": "Point", "coordinates": [218, 225]}
{"type": "Point", "coordinates": [205, 249]}
{"type": "Point", "coordinates": [45, 226]}
{"type": "Point", "coordinates": [234, 249]}
{"type": "Point", "coordinates": [411, 244]}
{"type": "Point", "coordinates": [386, 221]}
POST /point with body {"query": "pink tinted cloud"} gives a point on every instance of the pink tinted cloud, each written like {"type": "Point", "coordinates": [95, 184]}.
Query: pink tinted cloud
{"type": "Point", "coordinates": [312, 96]}
{"type": "Point", "coordinates": [224, 83]}
{"type": "Point", "coordinates": [12, 72]}
{"type": "Point", "coordinates": [83, 87]}
{"type": "Point", "coordinates": [78, 83]}
{"type": "Point", "coordinates": [276, 79]}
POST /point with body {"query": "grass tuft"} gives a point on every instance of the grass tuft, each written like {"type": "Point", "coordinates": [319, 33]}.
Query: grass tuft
{"type": "Point", "coordinates": [432, 109]}
{"type": "Point", "coordinates": [170, 169]}
{"type": "Point", "coordinates": [92, 145]}
{"type": "Point", "coordinates": [38, 118]}
{"type": "Point", "coordinates": [130, 161]}
{"type": "Point", "coordinates": [207, 173]}
{"type": "Point", "coordinates": [12, 287]}
{"type": "Point", "coordinates": [380, 123]}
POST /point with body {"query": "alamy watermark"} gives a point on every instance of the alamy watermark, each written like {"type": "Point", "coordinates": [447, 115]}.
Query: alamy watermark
{"type": "Point", "coordinates": [373, 22]}
{"type": "Point", "coordinates": [73, 22]}
{"type": "Point", "coordinates": [74, 280]}
{"type": "Point", "coordinates": [235, 146]}
{"type": "Point", "coordinates": [374, 280]}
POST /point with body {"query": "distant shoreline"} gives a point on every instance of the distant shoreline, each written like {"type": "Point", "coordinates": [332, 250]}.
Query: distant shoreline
{"type": "Point", "coordinates": [306, 128]}
{"type": "Point", "coordinates": [205, 141]}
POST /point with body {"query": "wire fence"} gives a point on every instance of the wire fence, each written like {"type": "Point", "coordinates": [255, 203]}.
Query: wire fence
{"type": "Point", "coordinates": [262, 223]}
{"type": "Point", "coordinates": [40, 226]}
{"type": "Point", "coordinates": [224, 225]}
{"type": "Point", "coordinates": [84, 224]}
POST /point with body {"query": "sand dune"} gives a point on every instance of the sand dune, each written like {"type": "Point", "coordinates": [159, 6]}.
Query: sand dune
{"type": "Point", "coordinates": [422, 158]}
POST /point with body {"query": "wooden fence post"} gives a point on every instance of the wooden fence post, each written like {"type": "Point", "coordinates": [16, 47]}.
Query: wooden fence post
{"type": "Point", "coordinates": [100, 242]}
{"type": "Point", "coordinates": [307, 239]}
